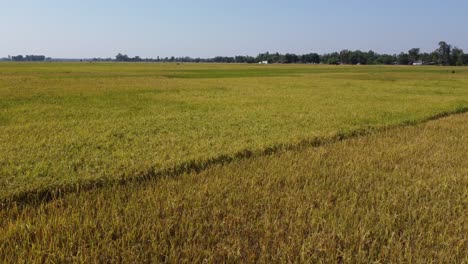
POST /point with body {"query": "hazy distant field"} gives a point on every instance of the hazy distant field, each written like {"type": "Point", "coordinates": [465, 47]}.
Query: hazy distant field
{"type": "Point", "coordinates": [232, 163]}
{"type": "Point", "coordinates": [65, 124]}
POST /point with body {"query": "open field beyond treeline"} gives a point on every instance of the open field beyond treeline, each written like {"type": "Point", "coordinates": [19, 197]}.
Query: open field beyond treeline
{"type": "Point", "coordinates": [233, 163]}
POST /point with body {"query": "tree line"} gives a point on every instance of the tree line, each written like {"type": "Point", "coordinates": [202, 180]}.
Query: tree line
{"type": "Point", "coordinates": [445, 54]}
{"type": "Point", "coordinates": [28, 58]}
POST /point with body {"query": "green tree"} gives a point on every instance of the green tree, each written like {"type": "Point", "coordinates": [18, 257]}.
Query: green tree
{"type": "Point", "coordinates": [344, 56]}
{"type": "Point", "coordinates": [414, 55]}
{"type": "Point", "coordinates": [121, 57]}
{"type": "Point", "coordinates": [371, 57]}
{"type": "Point", "coordinates": [444, 52]}
{"type": "Point", "coordinates": [403, 59]}
{"type": "Point", "coordinates": [457, 57]}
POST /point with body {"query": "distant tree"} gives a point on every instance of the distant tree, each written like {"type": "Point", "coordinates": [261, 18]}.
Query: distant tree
{"type": "Point", "coordinates": [413, 55]}
{"type": "Point", "coordinates": [434, 57]}
{"type": "Point", "coordinates": [126, 58]}
{"type": "Point", "coordinates": [121, 57]}
{"type": "Point", "coordinates": [331, 58]}
{"type": "Point", "coordinates": [250, 59]}
{"type": "Point", "coordinates": [457, 57]}
{"type": "Point", "coordinates": [264, 57]}
{"type": "Point", "coordinates": [34, 58]}
{"type": "Point", "coordinates": [239, 59]}
{"type": "Point", "coordinates": [385, 59]}
{"type": "Point", "coordinates": [282, 58]}
{"type": "Point", "coordinates": [244, 59]}
{"type": "Point", "coordinates": [403, 59]}
{"type": "Point", "coordinates": [315, 58]}
{"type": "Point", "coordinates": [354, 57]}
{"type": "Point", "coordinates": [17, 58]}
{"type": "Point", "coordinates": [444, 52]}
{"type": "Point", "coordinates": [425, 57]}
{"type": "Point", "coordinates": [344, 56]}
{"type": "Point", "coordinates": [357, 57]}
{"type": "Point", "coordinates": [371, 57]}
{"type": "Point", "coordinates": [291, 58]}
{"type": "Point", "coordinates": [310, 58]}
{"type": "Point", "coordinates": [275, 58]}
{"type": "Point", "coordinates": [220, 59]}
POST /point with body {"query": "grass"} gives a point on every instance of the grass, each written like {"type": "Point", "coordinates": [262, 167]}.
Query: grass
{"type": "Point", "coordinates": [63, 125]}
{"type": "Point", "coordinates": [396, 196]}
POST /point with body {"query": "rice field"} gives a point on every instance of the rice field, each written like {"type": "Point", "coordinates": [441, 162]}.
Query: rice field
{"type": "Point", "coordinates": [232, 163]}
{"type": "Point", "coordinates": [396, 196]}
{"type": "Point", "coordinates": [64, 125]}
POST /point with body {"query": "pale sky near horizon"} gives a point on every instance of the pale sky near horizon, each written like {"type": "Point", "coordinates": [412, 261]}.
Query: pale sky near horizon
{"type": "Point", "coordinates": [207, 28]}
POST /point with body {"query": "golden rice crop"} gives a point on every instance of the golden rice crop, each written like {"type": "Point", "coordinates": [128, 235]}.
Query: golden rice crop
{"type": "Point", "coordinates": [396, 196]}
{"type": "Point", "coordinates": [66, 124]}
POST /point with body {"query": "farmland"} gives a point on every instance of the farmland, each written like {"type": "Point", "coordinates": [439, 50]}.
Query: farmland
{"type": "Point", "coordinates": [217, 162]}
{"type": "Point", "coordinates": [69, 124]}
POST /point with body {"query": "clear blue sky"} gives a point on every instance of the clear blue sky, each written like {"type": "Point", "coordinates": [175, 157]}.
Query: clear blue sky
{"type": "Point", "coordinates": [205, 28]}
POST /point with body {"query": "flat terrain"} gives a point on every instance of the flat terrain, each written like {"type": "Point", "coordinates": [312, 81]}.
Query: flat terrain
{"type": "Point", "coordinates": [142, 162]}
{"type": "Point", "coordinates": [396, 196]}
{"type": "Point", "coordinates": [63, 125]}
